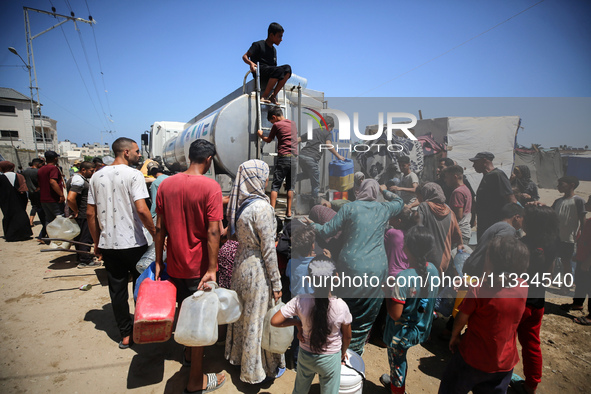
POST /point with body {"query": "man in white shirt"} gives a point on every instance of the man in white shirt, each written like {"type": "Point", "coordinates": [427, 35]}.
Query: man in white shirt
{"type": "Point", "coordinates": [116, 211]}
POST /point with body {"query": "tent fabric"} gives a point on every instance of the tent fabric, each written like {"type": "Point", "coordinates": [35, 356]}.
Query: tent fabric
{"type": "Point", "coordinates": [545, 166]}
{"type": "Point", "coordinates": [464, 136]}
{"type": "Point", "coordinates": [549, 168]}
{"type": "Point", "coordinates": [579, 166]}
{"type": "Point", "coordinates": [430, 146]}
{"type": "Point", "coordinates": [469, 135]}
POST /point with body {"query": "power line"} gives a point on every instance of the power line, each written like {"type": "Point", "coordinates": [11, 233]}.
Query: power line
{"type": "Point", "coordinates": [99, 61]}
{"type": "Point", "coordinates": [91, 73]}
{"type": "Point", "coordinates": [82, 77]}
{"type": "Point", "coordinates": [88, 63]}
{"type": "Point", "coordinates": [70, 112]}
{"type": "Point", "coordinates": [448, 51]}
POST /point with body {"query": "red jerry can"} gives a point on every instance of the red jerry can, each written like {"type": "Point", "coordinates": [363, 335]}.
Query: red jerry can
{"type": "Point", "coordinates": [154, 311]}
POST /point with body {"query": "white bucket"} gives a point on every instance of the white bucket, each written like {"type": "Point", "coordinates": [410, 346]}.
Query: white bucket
{"type": "Point", "coordinates": [351, 374]}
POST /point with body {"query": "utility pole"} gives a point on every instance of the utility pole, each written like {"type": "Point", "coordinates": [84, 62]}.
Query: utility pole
{"type": "Point", "coordinates": [31, 56]}
{"type": "Point", "coordinates": [28, 66]}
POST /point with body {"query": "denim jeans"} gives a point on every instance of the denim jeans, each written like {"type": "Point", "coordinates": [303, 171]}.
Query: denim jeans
{"type": "Point", "coordinates": [310, 171]}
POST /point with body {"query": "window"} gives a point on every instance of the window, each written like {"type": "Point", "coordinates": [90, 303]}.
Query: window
{"type": "Point", "coordinates": [11, 109]}
{"type": "Point", "coordinates": [8, 134]}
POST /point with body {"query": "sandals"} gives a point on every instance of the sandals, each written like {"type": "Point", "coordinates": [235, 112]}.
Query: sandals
{"type": "Point", "coordinates": [212, 385]}
{"type": "Point", "coordinates": [125, 346]}
{"type": "Point", "coordinates": [571, 307]}
{"type": "Point", "coordinates": [584, 321]}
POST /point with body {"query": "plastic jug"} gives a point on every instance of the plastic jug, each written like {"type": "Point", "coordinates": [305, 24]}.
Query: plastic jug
{"type": "Point", "coordinates": [149, 272]}
{"type": "Point", "coordinates": [64, 228]}
{"type": "Point", "coordinates": [230, 306]}
{"type": "Point", "coordinates": [275, 339]}
{"type": "Point", "coordinates": [352, 374]}
{"type": "Point", "coordinates": [154, 311]}
{"type": "Point", "coordinates": [197, 324]}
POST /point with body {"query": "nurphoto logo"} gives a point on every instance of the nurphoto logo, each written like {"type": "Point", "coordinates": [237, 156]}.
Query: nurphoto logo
{"type": "Point", "coordinates": [344, 131]}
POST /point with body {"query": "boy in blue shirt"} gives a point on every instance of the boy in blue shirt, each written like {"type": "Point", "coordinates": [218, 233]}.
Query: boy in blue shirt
{"type": "Point", "coordinates": [302, 244]}
{"type": "Point", "coordinates": [265, 54]}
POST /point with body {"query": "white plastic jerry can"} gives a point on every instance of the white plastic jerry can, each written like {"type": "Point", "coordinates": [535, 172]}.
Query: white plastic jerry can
{"type": "Point", "coordinates": [197, 324]}
{"type": "Point", "coordinates": [276, 339]}
{"type": "Point", "coordinates": [230, 307]}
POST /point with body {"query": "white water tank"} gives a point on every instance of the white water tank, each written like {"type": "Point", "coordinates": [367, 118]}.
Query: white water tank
{"type": "Point", "coordinates": [231, 127]}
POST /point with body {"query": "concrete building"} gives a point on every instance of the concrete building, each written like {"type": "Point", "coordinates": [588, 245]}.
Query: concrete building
{"type": "Point", "coordinates": [16, 123]}
{"type": "Point", "coordinates": [95, 149]}
{"type": "Point", "coordinates": [72, 151]}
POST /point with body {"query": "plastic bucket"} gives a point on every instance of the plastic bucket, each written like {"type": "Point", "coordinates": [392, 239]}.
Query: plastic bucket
{"type": "Point", "coordinates": [352, 374]}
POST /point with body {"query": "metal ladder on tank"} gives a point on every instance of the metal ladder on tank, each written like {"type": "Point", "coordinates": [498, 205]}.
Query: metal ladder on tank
{"type": "Point", "coordinates": [259, 104]}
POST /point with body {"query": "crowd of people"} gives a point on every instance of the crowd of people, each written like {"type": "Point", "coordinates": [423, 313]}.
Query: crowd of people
{"type": "Point", "coordinates": [234, 241]}
{"type": "Point", "coordinates": [403, 230]}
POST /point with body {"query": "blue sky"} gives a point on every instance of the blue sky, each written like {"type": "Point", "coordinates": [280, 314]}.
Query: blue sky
{"type": "Point", "coordinates": [171, 60]}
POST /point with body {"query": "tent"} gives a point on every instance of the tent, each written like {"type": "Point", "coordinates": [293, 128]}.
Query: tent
{"type": "Point", "coordinates": [545, 165]}
{"type": "Point", "coordinates": [466, 136]}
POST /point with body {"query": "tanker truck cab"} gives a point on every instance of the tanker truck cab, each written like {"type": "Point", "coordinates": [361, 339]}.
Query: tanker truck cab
{"type": "Point", "coordinates": [154, 141]}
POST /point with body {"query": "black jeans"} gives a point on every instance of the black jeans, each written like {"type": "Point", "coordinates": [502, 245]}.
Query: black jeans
{"type": "Point", "coordinates": [85, 237]}
{"type": "Point", "coordinates": [52, 210]}
{"type": "Point", "coordinates": [119, 264]}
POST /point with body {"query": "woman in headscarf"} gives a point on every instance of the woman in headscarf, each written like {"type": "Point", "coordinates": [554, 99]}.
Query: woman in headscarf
{"type": "Point", "coordinates": [362, 224]}
{"type": "Point", "coordinates": [436, 216]}
{"type": "Point", "coordinates": [256, 276]}
{"type": "Point", "coordinates": [528, 190]}
{"type": "Point", "coordinates": [13, 202]}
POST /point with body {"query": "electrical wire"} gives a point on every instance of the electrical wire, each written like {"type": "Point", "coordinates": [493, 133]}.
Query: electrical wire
{"type": "Point", "coordinates": [103, 122]}
{"type": "Point", "coordinates": [82, 77]}
{"type": "Point", "coordinates": [90, 71]}
{"type": "Point", "coordinates": [68, 5]}
{"type": "Point", "coordinates": [70, 112]}
{"type": "Point", "coordinates": [448, 51]}
{"type": "Point", "coordinates": [99, 62]}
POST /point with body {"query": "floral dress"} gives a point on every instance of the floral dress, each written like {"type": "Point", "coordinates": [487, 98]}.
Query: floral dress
{"type": "Point", "coordinates": [255, 277]}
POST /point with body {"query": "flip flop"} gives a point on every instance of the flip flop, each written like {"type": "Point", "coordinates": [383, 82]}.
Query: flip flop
{"type": "Point", "coordinates": [212, 385]}
{"type": "Point", "coordinates": [584, 321]}
{"type": "Point", "coordinates": [124, 346]}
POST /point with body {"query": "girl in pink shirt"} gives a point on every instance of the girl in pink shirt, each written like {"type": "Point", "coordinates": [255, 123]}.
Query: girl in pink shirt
{"type": "Point", "coordinates": [324, 330]}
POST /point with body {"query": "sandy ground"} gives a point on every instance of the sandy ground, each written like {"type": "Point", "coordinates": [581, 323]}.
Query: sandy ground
{"type": "Point", "coordinates": [56, 338]}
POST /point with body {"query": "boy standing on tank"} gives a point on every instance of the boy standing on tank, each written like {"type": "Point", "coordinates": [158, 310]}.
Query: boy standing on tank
{"type": "Point", "coordinates": [264, 53]}
{"type": "Point", "coordinates": [287, 151]}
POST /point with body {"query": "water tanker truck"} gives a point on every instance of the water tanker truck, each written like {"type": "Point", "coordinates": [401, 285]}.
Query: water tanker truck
{"type": "Point", "coordinates": [231, 125]}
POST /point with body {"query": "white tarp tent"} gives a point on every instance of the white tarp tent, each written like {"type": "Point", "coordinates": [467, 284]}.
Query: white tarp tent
{"type": "Point", "coordinates": [467, 136]}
